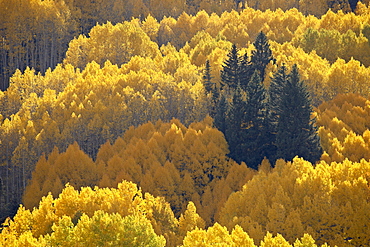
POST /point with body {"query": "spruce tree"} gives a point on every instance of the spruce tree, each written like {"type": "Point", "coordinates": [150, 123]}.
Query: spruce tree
{"type": "Point", "coordinates": [245, 72]}
{"type": "Point", "coordinates": [207, 78]}
{"type": "Point", "coordinates": [296, 133]}
{"type": "Point", "coordinates": [221, 118]}
{"type": "Point", "coordinates": [246, 123]}
{"type": "Point", "coordinates": [231, 70]}
{"type": "Point", "coordinates": [234, 132]}
{"type": "Point", "coordinates": [278, 82]}
{"type": "Point", "coordinates": [211, 90]}
{"type": "Point", "coordinates": [262, 55]}
{"type": "Point", "coordinates": [255, 125]}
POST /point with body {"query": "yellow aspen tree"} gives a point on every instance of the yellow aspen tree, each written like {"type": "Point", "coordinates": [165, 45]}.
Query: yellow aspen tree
{"type": "Point", "coordinates": [221, 191]}
{"type": "Point", "coordinates": [165, 182]}
{"type": "Point", "coordinates": [293, 226]}
{"type": "Point", "coordinates": [43, 216]}
{"type": "Point", "coordinates": [151, 27]}
{"type": "Point", "coordinates": [62, 232]}
{"type": "Point", "coordinates": [218, 235]}
{"type": "Point", "coordinates": [306, 240]}
{"type": "Point", "coordinates": [96, 46]}
{"type": "Point", "coordinates": [214, 235]}
{"type": "Point", "coordinates": [238, 175]}
{"type": "Point", "coordinates": [187, 188]}
{"type": "Point", "coordinates": [269, 241]}
{"type": "Point", "coordinates": [190, 220]}
{"type": "Point", "coordinates": [22, 222]}
{"type": "Point", "coordinates": [355, 148]}
{"type": "Point", "coordinates": [241, 238]}
{"type": "Point", "coordinates": [33, 191]}
{"type": "Point", "coordinates": [276, 218]}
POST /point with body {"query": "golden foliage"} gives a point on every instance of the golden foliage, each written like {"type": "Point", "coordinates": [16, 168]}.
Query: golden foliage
{"type": "Point", "coordinates": [93, 217]}
{"type": "Point", "coordinates": [71, 119]}
{"type": "Point", "coordinates": [328, 201]}
{"type": "Point", "coordinates": [166, 159]}
{"type": "Point", "coordinates": [344, 128]}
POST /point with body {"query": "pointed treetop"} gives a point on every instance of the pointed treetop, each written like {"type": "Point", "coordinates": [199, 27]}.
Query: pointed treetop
{"type": "Point", "coordinates": [208, 85]}
{"type": "Point", "coordinates": [230, 69]}
{"type": "Point", "coordinates": [262, 55]}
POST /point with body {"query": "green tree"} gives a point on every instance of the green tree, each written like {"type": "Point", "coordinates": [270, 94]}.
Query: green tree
{"type": "Point", "coordinates": [231, 69]}
{"type": "Point", "coordinates": [211, 89]}
{"type": "Point", "coordinates": [207, 78]}
{"type": "Point", "coordinates": [262, 55]}
{"type": "Point", "coordinates": [255, 125]}
{"type": "Point", "coordinates": [246, 72]}
{"type": "Point", "coordinates": [234, 133]}
{"type": "Point", "coordinates": [296, 130]}
{"type": "Point", "coordinates": [278, 82]}
{"type": "Point", "coordinates": [222, 114]}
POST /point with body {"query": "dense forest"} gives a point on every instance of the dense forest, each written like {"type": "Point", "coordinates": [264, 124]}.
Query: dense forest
{"type": "Point", "coordinates": [184, 123]}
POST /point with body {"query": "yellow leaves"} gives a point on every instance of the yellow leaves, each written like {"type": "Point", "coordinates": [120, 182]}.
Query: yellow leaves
{"type": "Point", "coordinates": [103, 228]}
{"type": "Point", "coordinates": [85, 217]}
{"type": "Point", "coordinates": [43, 216]}
{"type": "Point", "coordinates": [343, 128]}
{"type": "Point", "coordinates": [305, 241]}
{"type": "Point", "coordinates": [190, 220]}
{"type": "Point", "coordinates": [351, 77]}
{"type": "Point", "coordinates": [62, 231]}
{"type": "Point", "coordinates": [116, 43]}
{"type": "Point", "coordinates": [218, 235]}
{"type": "Point", "coordinates": [126, 80]}
{"type": "Point", "coordinates": [298, 198]}
{"type": "Point", "coordinates": [270, 241]}
{"type": "Point", "coordinates": [166, 159]}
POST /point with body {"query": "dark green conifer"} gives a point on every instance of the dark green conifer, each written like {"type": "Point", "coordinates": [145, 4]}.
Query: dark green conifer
{"type": "Point", "coordinates": [278, 82]}
{"type": "Point", "coordinates": [262, 55]}
{"type": "Point", "coordinates": [254, 125]}
{"type": "Point", "coordinates": [207, 78]}
{"type": "Point", "coordinates": [221, 118]}
{"type": "Point", "coordinates": [296, 131]}
{"type": "Point", "coordinates": [234, 132]}
{"type": "Point", "coordinates": [246, 72]}
{"type": "Point", "coordinates": [231, 70]}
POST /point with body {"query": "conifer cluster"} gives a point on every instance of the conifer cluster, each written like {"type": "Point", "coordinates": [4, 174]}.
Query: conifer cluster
{"type": "Point", "coordinates": [258, 122]}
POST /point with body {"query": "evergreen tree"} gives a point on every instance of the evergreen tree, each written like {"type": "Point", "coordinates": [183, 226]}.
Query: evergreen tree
{"type": "Point", "coordinates": [255, 128]}
{"type": "Point", "coordinates": [278, 82]}
{"type": "Point", "coordinates": [246, 72]}
{"type": "Point", "coordinates": [296, 132]}
{"type": "Point", "coordinates": [231, 69]}
{"type": "Point", "coordinates": [207, 78]}
{"type": "Point", "coordinates": [262, 55]}
{"type": "Point", "coordinates": [221, 119]}
{"type": "Point", "coordinates": [246, 125]}
{"type": "Point", "coordinates": [215, 94]}
{"type": "Point", "coordinates": [211, 90]}
{"type": "Point", "coordinates": [236, 122]}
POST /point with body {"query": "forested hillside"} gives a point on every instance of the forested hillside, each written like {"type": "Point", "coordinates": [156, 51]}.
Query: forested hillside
{"type": "Point", "coordinates": [184, 123]}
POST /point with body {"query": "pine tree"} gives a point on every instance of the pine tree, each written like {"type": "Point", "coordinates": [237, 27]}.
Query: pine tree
{"type": "Point", "coordinates": [246, 124]}
{"type": "Point", "coordinates": [211, 89]}
{"type": "Point", "coordinates": [246, 72]}
{"type": "Point", "coordinates": [208, 84]}
{"type": "Point", "coordinates": [221, 121]}
{"type": "Point", "coordinates": [276, 88]}
{"type": "Point", "coordinates": [296, 132]}
{"type": "Point", "coordinates": [215, 94]}
{"type": "Point", "coordinates": [255, 123]}
{"type": "Point", "coordinates": [236, 121]}
{"type": "Point", "coordinates": [231, 69]}
{"type": "Point", "coordinates": [262, 55]}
